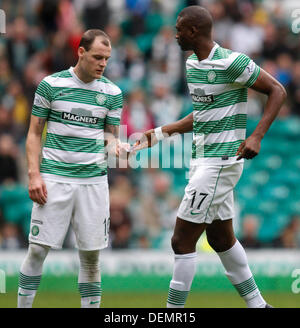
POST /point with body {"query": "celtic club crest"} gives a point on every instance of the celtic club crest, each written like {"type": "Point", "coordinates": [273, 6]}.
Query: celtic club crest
{"type": "Point", "coordinates": [211, 76]}
{"type": "Point", "coordinates": [101, 99]}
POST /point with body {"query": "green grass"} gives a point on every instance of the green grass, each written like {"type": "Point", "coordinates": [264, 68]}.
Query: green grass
{"type": "Point", "coordinates": [45, 299]}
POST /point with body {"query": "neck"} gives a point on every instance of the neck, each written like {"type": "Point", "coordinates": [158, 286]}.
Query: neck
{"type": "Point", "coordinates": [81, 74]}
{"type": "Point", "coordinates": [203, 48]}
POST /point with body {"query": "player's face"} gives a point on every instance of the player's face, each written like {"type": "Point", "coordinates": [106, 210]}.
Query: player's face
{"type": "Point", "coordinates": [95, 59]}
{"type": "Point", "coordinates": [183, 35]}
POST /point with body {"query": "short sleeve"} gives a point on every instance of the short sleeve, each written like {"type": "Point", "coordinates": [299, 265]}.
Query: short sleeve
{"type": "Point", "coordinates": [249, 74]}
{"type": "Point", "coordinates": [115, 109]}
{"type": "Point", "coordinates": [42, 100]}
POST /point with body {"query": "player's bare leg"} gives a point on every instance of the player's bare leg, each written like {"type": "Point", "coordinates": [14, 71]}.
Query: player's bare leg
{"type": "Point", "coordinates": [221, 237]}
{"type": "Point", "coordinates": [184, 240]}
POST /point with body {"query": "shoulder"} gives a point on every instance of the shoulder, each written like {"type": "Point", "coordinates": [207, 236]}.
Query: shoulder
{"type": "Point", "coordinates": [191, 61]}
{"type": "Point", "coordinates": [110, 87]}
{"type": "Point", "coordinates": [62, 74]}
{"type": "Point", "coordinates": [52, 79]}
{"type": "Point", "coordinates": [222, 53]}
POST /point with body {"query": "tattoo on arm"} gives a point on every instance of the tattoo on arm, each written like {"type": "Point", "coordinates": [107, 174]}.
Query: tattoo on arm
{"type": "Point", "coordinates": [113, 130]}
{"type": "Point", "coordinates": [37, 125]}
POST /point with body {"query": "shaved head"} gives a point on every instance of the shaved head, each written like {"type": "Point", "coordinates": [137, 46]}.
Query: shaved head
{"type": "Point", "coordinates": [198, 17]}
{"type": "Point", "coordinates": [194, 27]}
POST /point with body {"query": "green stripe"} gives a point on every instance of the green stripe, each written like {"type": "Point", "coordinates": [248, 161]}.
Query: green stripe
{"type": "Point", "coordinates": [177, 297]}
{"type": "Point", "coordinates": [233, 122]}
{"type": "Point", "coordinates": [29, 282]}
{"type": "Point", "coordinates": [40, 111]}
{"type": "Point", "coordinates": [219, 149]}
{"type": "Point", "coordinates": [79, 95]}
{"type": "Point", "coordinates": [71, 169]}
{"type": "Point", "coordinates": [253, 77]}
{"type": "Point", "coordinates": [86, 96]}
{"type": "Point", "coordinates": [222, 76]}
{"type": "Point", "coordinates": [56, 116]}
{"type": "Point", "coordinates": [44, 89]}
{"type": "Point", "coordinates": [90, 289]}
{"type": "Point", "coordinates": [112, 120]}
{"type": "Point", "coordinates": [246, 287]}
{"type": "Point", "coordinates": [221, 53]}
{"type": "Point", "coordinates": [85, 145]}
{"type": "Point", "coordinates": [31, 278]}
{"type": "Point", "coordinates": [223, 100]}
{"type": "Point", "coordinates": [62, 74]}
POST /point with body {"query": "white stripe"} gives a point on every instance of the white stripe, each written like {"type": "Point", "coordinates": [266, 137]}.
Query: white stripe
{"type": "Point", "coordinates": [73, 157]}
{"type": "Point", "coordinates": [41, 101]}
{"type": "Point", "coordinates": [245, 76]}
{"type": "Point", "coordinates": [214, 89]}
{"type": "Point", "coordinates": [116, 113]}
{"type": "Point", "coordinates": [67, 106]}
{"type": "Point", "coordinates": [74, 131]}
{"type": "Point", "coordinates": [216, 114]}
{"type": "Point", "coordinates": [225, 136]}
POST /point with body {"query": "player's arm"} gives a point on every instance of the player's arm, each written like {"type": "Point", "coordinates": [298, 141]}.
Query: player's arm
{"type": "Point", "coordinates": [37, 188]}
{"type": "Point", "coordinates": [152, 136]}
{"type": "Point", "coordinates": [112, 142]}
{"type": "Point", "coordinates": [276, 93]}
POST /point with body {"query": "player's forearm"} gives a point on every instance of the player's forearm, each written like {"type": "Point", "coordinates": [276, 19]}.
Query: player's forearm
{"type": "Point", "coordinates": [33, 145]}
{"type": "Point", "coordinates": [182, 126]}
{"type": "Point", "coordinates": [33, 149]}
{"type": "Point", "coordinates": [112, 133]}
{"type": "Point", "coordinates": [276, 97]}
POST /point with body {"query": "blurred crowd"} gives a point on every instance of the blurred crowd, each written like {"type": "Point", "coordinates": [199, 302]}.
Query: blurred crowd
{"type": "Point", "coordinates": [42, 37]}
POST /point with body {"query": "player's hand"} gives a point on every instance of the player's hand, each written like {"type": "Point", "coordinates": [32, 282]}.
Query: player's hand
{"type": "Point", "coordinates": [123, 149]}
{"type": "Point", "coordinates": [37, 189]}
{"type": "Point", "coordinates": [147, 140]}
{"type": "Point", "coordinates": [249, 148]}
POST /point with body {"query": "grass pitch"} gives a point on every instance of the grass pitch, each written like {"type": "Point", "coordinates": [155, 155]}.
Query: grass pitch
{"type": "Point", "coordinates": [45, 299]}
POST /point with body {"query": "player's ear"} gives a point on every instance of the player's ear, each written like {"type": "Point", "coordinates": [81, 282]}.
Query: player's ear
{"type": "Point", "coordinates": [193, 30]}
{"type": "Point", "coordinates": [80, 52]}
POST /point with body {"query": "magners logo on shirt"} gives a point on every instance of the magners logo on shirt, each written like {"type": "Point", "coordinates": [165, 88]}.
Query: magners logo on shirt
{"type": "Point", "coordinates": [81, 115]}
{"type": "Point", "coordinates": [200, 96]}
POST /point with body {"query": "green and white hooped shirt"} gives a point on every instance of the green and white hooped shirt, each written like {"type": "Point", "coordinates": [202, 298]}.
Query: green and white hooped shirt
{"type": "Point", "coordinates": [218, 87]}
{"type": "Point", "coordinates": [76, 114]}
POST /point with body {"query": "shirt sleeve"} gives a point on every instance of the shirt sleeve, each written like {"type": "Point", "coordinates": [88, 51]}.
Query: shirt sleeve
{"type": "Point", "coordinates": [249, 73]}
{"type": "Point", "coordinates": [42, 100]}
{"type": "Point", "coordinates": [114, 113]}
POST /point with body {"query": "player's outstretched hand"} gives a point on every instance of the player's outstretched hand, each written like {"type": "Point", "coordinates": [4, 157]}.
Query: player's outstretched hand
{"type": "Point", "coordinates": [122, 148]}
{"type": "Point", "coordinates": [37, 189]}
{"type": "Point", "coordinates": [147, 140]}
{"type": "Point", "coordinates": [249, 148]}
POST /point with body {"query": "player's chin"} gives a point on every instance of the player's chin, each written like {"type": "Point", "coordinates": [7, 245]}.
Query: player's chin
{"type": "Point", "coordinates": [98, 74]}
{"type": "Point", "coordinates": [184, 47]}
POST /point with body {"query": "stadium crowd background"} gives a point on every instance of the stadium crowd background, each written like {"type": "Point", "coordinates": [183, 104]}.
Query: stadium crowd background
{"type": "Point", "coordinates": [42, 38]}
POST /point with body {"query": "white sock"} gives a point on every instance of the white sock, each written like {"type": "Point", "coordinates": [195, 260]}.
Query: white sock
{"type": "Point", "coordinates": [238, 272]}
{"type": "Point", "coordinates": [183, 275]}
{"type": "Point", "coordinates": [30, 274]}
{"type": "Point", "coordinates": [89, 279]}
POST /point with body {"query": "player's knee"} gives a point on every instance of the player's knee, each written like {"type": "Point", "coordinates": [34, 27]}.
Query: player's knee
{"type": "Point", "coordinates": [219, 242]}
{"type": "Point", "coordinates": [180, 246]}
{"type": "Point", "coordinates": [89, 260]}
{"type": "Point", "coordinates": [37, 252]}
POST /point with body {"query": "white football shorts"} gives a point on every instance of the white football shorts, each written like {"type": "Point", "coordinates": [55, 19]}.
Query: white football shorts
{"type": "Point", "coordinates": [209, 193]}
{"type": "Point", "coordinates": [84, 206]}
